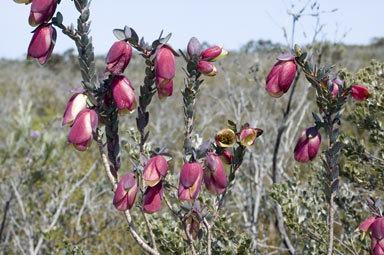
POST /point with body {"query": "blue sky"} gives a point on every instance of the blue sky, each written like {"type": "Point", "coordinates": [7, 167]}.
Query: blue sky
{"type": "Point", "coordinates": [225, 22]}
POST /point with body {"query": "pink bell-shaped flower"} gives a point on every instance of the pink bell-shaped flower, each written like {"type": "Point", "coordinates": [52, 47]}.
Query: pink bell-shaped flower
{"type": "Point", "coordinates": [41, 11]}
{"type": "Point", "coordinates": [376, 225]}
{"type": "Point", "coordinates": [123, 94]}
{"type": "Point", "coordinates": [83, 129]}
{"type": "Point", "coordinates": [215, 178]}
{"type": "Point", "coordinates": [76, 104]}
{"type": "Point", "coordinates": [118, 57]}
{"type": "Point", "coordinates": [42, 43]}
{"type": "Point", "coordinates": [206, 68]}
{"type": "Point", "coordinates": [164, 70]}
{"type": "Point", "coordinates": [155, 169]}
{"type": "Point", "coordinates": [152, 198]}
{"type": "Point", "coordinates": [125, 193]}
{"type": "Point", "coordinates": [307, 145]}
{"type": "Point", "coordinates": [359, 93]}
{"type": "Point", "coordinates": [214, 53]}
{"type": "Point", "coordinates": [191, 177]}
{"type": "Point", "coordinates": [281, 76]}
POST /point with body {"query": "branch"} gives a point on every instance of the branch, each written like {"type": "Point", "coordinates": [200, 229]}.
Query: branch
{"type": "Point", "coordinates": [139, 240]}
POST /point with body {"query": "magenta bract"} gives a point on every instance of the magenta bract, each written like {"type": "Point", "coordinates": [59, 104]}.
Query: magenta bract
{"type": "Point", "coordinates": [123, 94]}
{"type": "Point", "coordinates": [191, 177]}
{"type": "Point", "coordinates": [125, 193]}
{"type": "Point", "coordinates": [281, 76]}
{"type": "Point", "coordinates": [214, 53]}
{"type": "Point", "coordinates": [307, 145]}
{"type": "Point", "coordinates": [118, 57]}
{"type": "Point", "coordinates": [155, 169]}
{"type": "Point", "coordinates": [41, 11]}
{"type": "Point", "coordinates": [359, 92]}
{"type": "Point", "coordinates": [152, 198]}
{"type": "Point", "coordinates": [206, 68]}
{"type": "Point", "coordinates": [76, 104]}
{"type": "Point", "coordinates": [215, 178]}
{"type": "Point", "coordinates": [42, 43]}
{"type": "Point", "coordinates": [83, 129]}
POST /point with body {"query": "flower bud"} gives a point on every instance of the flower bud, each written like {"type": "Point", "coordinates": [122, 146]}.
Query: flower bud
{"type": "Point", "coordinates": [76, 104]}
{"type": "Point", "coordinates": [118, 57]}
{"type": "Point", "coordinates": [227, 157]}
{"type": "Point", "coordinates": [125, 193]}
{"type": "Point", "coordinates": [191, 177]}
{"type": "Point", "coordinates": [155, 169]}
{"type": "Point", "coordinates": [152, 198]}
{"type": "Point", "coordinates": [214, 53]}
{"type": "Point", "coordinates": [42, 43]}
{"type": "Point", "coordinates": [194, 47]}
{"type": "Point", "coordinates": [225, 138]}
{"type": "Point", "coordinates": [307, 145]}
{"type": "Point", "coordinates": [41, 11]}
{"type": "Point", "coordinates": [336, 86]}
{"type": "Point", "coordinates": [164, 90]}
{"type": "Point", "coordinates": [359, 93]}
{"type": "Point", "coordinates": [248, 135]}
{"type": "Point", "coordinates": [215, 178]}
{"type": "Point", "coordinates": [206, 68]}
{"type": "Point", "coordinates": [281, 76]}
{"type": "Point", "coordinates": [83, 129]}
{"type": "Point", "coordinates": [123, 94]}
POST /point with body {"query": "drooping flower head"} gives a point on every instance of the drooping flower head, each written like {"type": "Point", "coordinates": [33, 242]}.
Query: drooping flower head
{"type": "Point", "coordinates": [191, 177]}
{"type": "Point", "coordinates": [76, 104]}
{"type": "Point", "coordinates": [123, 94]}
{"type": "Point", "coordinates": [307, 145]}
{"type": "Point", "coordinates": [42, 43]}
{"type": "Point", "coordinates": [164, 69]}
{"type": "Point", "coordinates": [376, 225]}
{"type": "Point", "coordinates": [118, 57]}
{"type": "Point", "coordinates": [359, 93]}
{"type": "Point", "coordinates": [152, 198]}
{"type": "Point", "coordinates": [125, 193]}
{"type": "Point", "coordinates": [281, 76]}
{"type": "Point", "coordinates": [155, 170]}
{"type": "Point", "coordinates": [215, 178]}
{"type": "Point", "coordinates": [83, 129]}
{"type": "Point", "coordinates": [41, 11]}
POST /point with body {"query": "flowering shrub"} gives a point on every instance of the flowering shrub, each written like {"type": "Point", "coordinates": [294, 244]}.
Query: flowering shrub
{"type": "Point", "coordinates": [94, 111]}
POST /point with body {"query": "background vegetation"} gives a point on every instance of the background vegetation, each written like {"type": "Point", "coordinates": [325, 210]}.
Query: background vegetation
{"type": "Point", "coordinates": [56, 200]}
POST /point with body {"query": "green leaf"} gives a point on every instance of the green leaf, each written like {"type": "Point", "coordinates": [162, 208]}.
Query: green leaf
{"type": "Point", "coordinates": [166, 39]}
{"type": "Point", "coordinates": [59, 18]}
{"type": "Point", "coordinates": [119, 34]}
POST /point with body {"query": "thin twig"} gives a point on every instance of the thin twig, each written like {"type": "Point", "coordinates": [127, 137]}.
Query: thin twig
{"type": "Point", "coordinates": [127, 213]}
